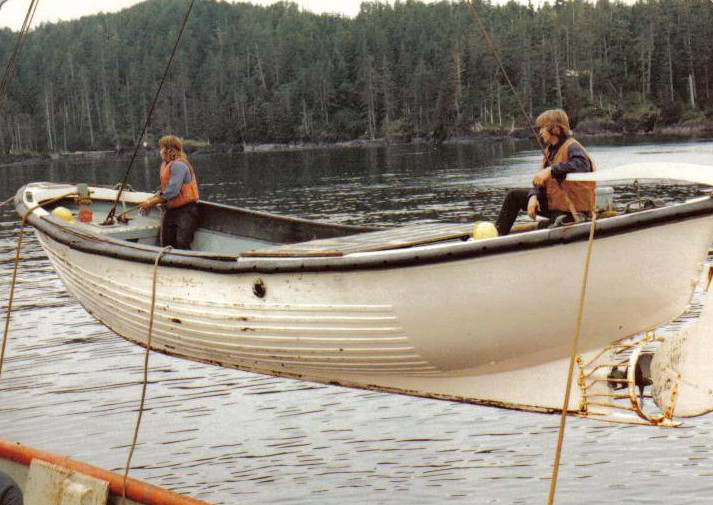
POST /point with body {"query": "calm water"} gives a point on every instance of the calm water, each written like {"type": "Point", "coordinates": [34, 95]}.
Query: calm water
{"type": "Point", "coordinates": [71, 386]}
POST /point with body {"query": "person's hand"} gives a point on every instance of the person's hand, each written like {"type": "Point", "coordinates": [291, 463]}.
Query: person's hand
{"type": "Point", "coordinates": [146, 206]}
{"type": "Point", "coordinates": [533, 206]}
{"type": "Point", "coordinates": [541, 176]}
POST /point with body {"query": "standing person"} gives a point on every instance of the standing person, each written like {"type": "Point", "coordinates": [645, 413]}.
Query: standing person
{"type": "Point", "coordinates": [552, 196]}
{"type": "Point", "coordinates": [179, 193]}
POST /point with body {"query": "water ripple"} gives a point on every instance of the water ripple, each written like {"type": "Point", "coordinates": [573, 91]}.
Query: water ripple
{"type": "Point", "coordinates": [71, 386]}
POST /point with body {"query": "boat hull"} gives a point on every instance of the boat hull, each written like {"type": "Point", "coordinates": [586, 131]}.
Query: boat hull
{"type": "Point", "coordinates": [493, 329]}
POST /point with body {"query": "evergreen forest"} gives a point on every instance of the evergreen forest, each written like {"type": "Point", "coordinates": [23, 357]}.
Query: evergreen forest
{"type": "Point", "coordinates": [250, 74]}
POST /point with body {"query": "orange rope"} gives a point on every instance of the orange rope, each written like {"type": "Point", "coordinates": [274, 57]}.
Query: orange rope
{"type": "Point", "coordinates": [572, 359]}
{"type": "Point", "coordinates": [146, 370]}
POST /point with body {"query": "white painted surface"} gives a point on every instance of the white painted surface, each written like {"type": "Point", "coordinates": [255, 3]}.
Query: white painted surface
{"type": "Point", "coordinates": [699, 174]}
{"type": "Point", "coordinates": [489, 328]}
{"type": "Point", "coordinates": [682, 369]}
{"type": "Point", "coordinates": [49, 484]}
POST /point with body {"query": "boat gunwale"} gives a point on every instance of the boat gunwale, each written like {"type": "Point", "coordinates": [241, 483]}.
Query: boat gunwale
{"type": "Point", "coordinates": [455, 250]}
{"type": "Point", "coordinates": [136, 490]}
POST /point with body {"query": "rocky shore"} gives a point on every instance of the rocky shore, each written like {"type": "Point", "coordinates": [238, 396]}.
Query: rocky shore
{"type": "Point", "coordinates": [619, 127]}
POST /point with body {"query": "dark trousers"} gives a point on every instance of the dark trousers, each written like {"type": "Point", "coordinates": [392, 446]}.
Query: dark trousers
{"type": "Point", "coordinates": [179, 225]}
{"type": "Point", "coordinates": [515, 201]}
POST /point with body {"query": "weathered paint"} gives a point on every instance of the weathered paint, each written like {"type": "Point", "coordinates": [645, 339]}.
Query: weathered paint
{"type": "Point", "coordinates": [136, 490]}
{"type": "Point", "coordinates": [443, 328]}
{"type": "Point", "coordinates": [682, 369]}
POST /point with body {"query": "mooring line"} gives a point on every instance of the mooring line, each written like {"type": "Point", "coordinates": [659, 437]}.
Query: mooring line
{"type": "Point", "coordinates": [7, 202]}
{"type": "Point", "coordinates": [146, 371]}
{"type": "Point", "coordinates": [573, 356]}
{"type": "Point", "coordinates": [572, 359]}
{"type": "Point", "coordinates": [13, 283]}
{"type": "Point", "coordinates": [11, 297]}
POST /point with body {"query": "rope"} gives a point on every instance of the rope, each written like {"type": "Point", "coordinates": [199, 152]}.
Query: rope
{"type": "Point", "coordinates": [496, 55]}
{"type": "Point", "coordinates": [572, 359]}
{"type": "Point", "coordinates": [110, 217]}
{"type": "Point", "coordinates": [12, 294]}
{"type": "Point", "coordinates": [515, 94]}
{"type": "Point", "coordinates": [8, 201]}
{"type": "Point", "coordinates": [19, 42]}
{"type": "Point", "coordinates": [126, 212]}
{"type": "Point", "coordinates": [146, 371]}
{"type": "Point", "coordinates": [13, 283]}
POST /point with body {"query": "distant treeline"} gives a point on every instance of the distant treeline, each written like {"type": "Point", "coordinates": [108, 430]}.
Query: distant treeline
{"type": "Point", "coordinates": [275, 74]}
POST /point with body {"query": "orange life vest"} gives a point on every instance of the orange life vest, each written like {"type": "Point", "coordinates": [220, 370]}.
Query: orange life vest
{"type": "Point", "coordinates": [189, 190]}
{"type": "Point", "coordinates": [580, 193]}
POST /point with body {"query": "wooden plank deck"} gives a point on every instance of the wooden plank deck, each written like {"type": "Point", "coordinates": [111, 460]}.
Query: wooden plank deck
{"type": "Point", "coordinates": [382, 240]}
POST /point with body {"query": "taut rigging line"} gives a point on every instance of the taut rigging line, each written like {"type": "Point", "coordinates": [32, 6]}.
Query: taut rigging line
{"type": "Point", "coordinates": [7, 76]}
{"type": "Point", "coordinates": [575, 340]}
{"type": "Point", "coordinates": [499, 61]}
{"type": "Point", "coordinates": [19, 42]}
{"type": "Point", "coordinates": [110, 217]}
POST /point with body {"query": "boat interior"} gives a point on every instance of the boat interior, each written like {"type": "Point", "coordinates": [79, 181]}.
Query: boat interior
{"type": "Point", "coordinates": [223, 230]}
{"type": "Point", "coordinates": [230, 231]}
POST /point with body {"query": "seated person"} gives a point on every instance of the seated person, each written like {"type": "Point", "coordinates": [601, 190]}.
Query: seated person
{"type": "Point", "coordinates": [552, 196]}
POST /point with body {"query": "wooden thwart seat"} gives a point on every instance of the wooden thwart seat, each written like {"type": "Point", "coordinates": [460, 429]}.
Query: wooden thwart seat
{"type": "Point", "coordinates": [391, 238]}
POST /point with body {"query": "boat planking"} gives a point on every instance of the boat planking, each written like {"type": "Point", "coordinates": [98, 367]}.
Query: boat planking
{"type": "Point", "coordinates": [422, 310]}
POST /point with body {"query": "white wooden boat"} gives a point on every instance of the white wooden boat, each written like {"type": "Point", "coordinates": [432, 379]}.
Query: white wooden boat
{"type": "Point", "coordinates": [420, 310]}
{"type": "Point", "coordinates": [45, 478]}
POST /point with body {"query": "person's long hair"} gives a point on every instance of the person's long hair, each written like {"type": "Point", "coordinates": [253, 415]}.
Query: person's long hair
{"type": "Point", "coordinates": [556, 121]}
{"type": "Point", "coordinates": [173, 148]}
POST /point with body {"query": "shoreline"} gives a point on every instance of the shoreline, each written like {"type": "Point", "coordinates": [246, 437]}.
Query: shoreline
{"type": "Point", "coordinates": [697, 130]}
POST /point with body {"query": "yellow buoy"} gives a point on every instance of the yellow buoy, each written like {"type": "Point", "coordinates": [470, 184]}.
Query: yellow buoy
{"type": "Point", "coordinates": [484, 229]}
{"type": "Point", "coordinates": [63, 213]}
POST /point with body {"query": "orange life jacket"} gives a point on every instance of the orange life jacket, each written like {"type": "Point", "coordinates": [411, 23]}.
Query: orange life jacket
{"type": "Point", "coordinates": [189, 190]}
{"type": "Point", "coordinates": [580, 193]}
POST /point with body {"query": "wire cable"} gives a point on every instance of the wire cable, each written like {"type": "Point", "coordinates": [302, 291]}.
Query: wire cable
{"type": "Point", "coordinates": [17, 48]}
{"type": "Point", "coordinates": [515, 94]}
{"type": "Point", "coordinates": [499, 61]}
{"type": "Point", "coordinates": [110, 216]}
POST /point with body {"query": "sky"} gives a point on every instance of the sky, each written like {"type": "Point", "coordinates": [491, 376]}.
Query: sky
{"type": "Point", "coordinates": [13, 12]}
